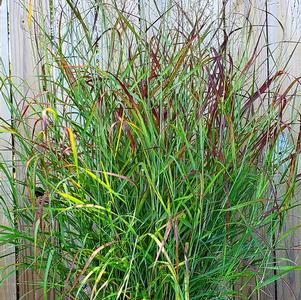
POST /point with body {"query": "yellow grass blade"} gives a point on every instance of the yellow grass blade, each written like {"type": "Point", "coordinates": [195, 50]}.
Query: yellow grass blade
{"type": "Point", "coordinates": [30, 10]}
{"type": "Point", "coordinates": [73, 148]}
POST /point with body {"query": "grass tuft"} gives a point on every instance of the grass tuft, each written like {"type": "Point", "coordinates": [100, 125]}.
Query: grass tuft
{"type": "Point", "coordinates": [154, 167]}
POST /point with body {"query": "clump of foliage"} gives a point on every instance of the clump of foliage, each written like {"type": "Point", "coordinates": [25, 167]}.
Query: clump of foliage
{"type": "Point", "coordinates": [158, 164]}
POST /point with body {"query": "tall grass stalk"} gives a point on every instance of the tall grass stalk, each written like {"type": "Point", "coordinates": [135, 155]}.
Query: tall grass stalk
{"type": "Point", "coordinates": [153, 167]}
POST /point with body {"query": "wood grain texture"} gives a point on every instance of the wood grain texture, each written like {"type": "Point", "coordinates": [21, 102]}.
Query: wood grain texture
{"type": "Point", "coordinates": [8, 288]}
{"type": "Point", "coordinates": [281, 39]}
{"type": "Point", "coordinates": [24, 72]}
{"type": "Point", "coordinates": [246, 22]}
{"type": "Point", "coordinates": [22, 68]}
{"type": "Point", "coordinates": [285, 53]}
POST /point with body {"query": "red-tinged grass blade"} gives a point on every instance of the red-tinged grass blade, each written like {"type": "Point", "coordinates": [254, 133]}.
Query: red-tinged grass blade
{"type": "Point", "coordinates": [182, 56]}
{"type": "Point", "coordinates": [89, 261]}
{"type": "Point", "coordinates": [254, 54]}
{"type": "Point", "coordinates": [293, 166]}
{"type": "Point", "coordinates": [120, 177]}
{"type": "Point", "coordinates": [71, 267]}
{"type": "Point", "coordinates": [162, 244]}
{"type": "Point", "coordinates": [130, 98]}
{"type": "Point", "coordinates": [261, 91]}
{"type": "Point", "coordinates": [68, 71]}
{"type": "Point", "coordinates": [130, 136]}
{"type": "Point", "coordinates": [186, 280]}
{"type": "Point", "coordinates": [176, 232]}
{"type": "Point", "coordinates": [285, 93]}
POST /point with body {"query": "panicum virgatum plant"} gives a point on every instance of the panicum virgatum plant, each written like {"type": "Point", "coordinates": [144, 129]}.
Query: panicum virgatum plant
{"type": "Point", "coordinates": [158, 163]}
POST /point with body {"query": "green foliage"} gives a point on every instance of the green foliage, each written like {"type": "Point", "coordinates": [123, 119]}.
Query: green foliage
{"type": "Point", "coordinates": [153, 170]}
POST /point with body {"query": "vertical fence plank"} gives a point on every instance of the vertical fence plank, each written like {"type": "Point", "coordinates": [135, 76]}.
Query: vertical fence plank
{"type": "Point", "coordinates": [249, 20]}
{"type": "Point", "coordinates": [24, 70]}
{"type": "Point", "coordinates": [285, 52]}
{"type": "Point", "coordinates": [245, 19]}
{"type": "Point", "coordinates": [281, 50]}
{"type": "Point", "coordinates": [8, 288]}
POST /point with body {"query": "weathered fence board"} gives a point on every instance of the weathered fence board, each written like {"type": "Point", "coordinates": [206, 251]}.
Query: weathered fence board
{"type": "Point", "coordinates": [8, 289]}
{"type": "Point", "coordinates": [23, 72]}
{"type": "Point", "coordinates": [285, 52]}
{"type": "Point", "coordinates": [246, 22]}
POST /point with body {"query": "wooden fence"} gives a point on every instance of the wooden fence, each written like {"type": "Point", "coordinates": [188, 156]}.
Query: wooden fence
{"type": "Point", "coordinates": [278, 20]}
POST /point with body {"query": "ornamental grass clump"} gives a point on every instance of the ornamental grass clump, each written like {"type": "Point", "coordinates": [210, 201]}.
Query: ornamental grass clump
{"type": "Point", "coordinates": [158, 162]}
